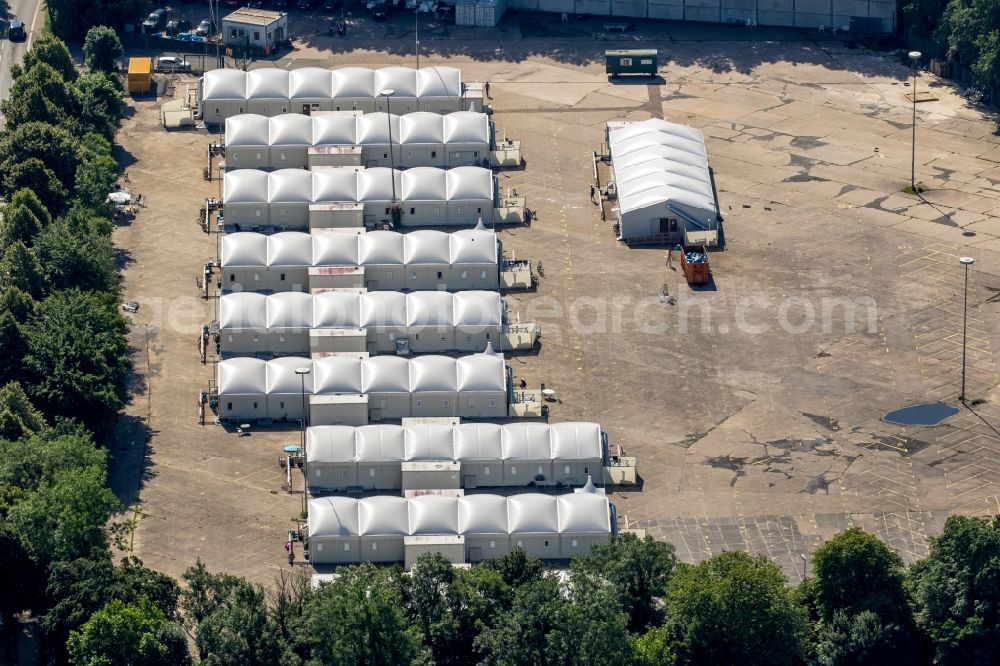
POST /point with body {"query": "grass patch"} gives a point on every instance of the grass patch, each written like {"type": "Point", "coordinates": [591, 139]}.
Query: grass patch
{"type": "Point", "coordinates": [914, 189]}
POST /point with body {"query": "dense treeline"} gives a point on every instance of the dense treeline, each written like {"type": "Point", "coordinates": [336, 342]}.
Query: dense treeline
{"type": "Point", "coordinates": [967, 30]}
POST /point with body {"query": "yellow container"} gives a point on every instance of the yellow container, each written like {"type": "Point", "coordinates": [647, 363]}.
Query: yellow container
{"type": "Point", "coordinates": [140, 75]}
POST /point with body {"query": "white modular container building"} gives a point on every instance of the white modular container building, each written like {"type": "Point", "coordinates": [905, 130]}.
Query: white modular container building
{"type": "Point", "coordinates": [294, 323]}
{"type": "Point", "coordinates": [391, 388]}
{"type": "Point", "coordinates": [427, 196]}
{"type": "Point", "coordinates": [662, 179]}
{"type": "Point", "coordinates": [346, 530]}
{"type": "Point", "coordinates": [378, 260]}
{"type": "Point", "coordinates": [338, 457]}
{"type": "Point", "coordinates": [223, 93]}
{"type": "Point", "coordinates": [294, 141]}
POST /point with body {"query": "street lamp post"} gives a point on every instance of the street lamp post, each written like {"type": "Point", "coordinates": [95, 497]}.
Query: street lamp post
{"type": "Point", "coordinates": [965, 261]}
{"type": "Point", "coordinates": [387, 93]}
{"type": "Point", "coordinates": [302, 372]}
{"type": "Point", "coordinates": [416, 32]}
{"type": "Point", "coordinates": [914, 59]}
{"type": "Point", "coordinates": [804, 561]}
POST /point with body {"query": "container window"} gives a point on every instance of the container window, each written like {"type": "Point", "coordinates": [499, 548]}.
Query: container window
{"type": "Point", "coordinates": [626, 62]}
{"type": "Point", "coordinates": [586, 470]}
{"type": "Point", "coordinates": [347, 547]}
{"type": "Point", "coordinates": [413, 275]}
{"type": "Point", "coordinates": [255, 405]}
{"type": "Point", "coordinates": [386, 211]}
{"type": "Point", "coordinates": [439, 275]}
{"type": "Point", "coordinates": [284, 212]}
{"type": "Point", "coordinates": [472, 403]}
{"type": "Point", "coordinates": [236, 157]}
{"type": "Point", "coordinates": [319, 547]}
{"type": "Point", "coordinates": [256, 35]}
{"type": "Point", "coordinates": [573, 543]}
{"type": "Point", "coordinates": [493, 544]}
{"type": "Point", "coordinates": [229, 406]}
{"type": "Point", "coordinates": [540, 470]}
{"type": "Point", "coordinates": [459, 211]}
{"type": "Point", "coordinates": [420, 404]}
{"type": "Point", "coordinates": [546, 542]}
{"type": "Point", "coordinates": [486, 471]}
{"type": "Point", "coordinates": [343, 472]}
{"type": "Point", "coordinates": [520, 544]}
{"type": "Point", "coordinates": [229, 338]}
{"type": "Point", "coordinates": [388, 275]}
{"type": "Point", "coordinates": [281, 405]}
{"type": "Point", "coordinates": [256, 277]}
{"type": "Point", "coordinates": [482, 275]}
{"type": "Point", "coordinates": [281, 277]}
{"type": "Point", "coordinates": [413, 211]}
{"type": "Point", "coordinates": [513, 469]}
{"type": "Point", "coordinates": [479, 210]}
{"type": "Point", "coordinates": [566, 469]}
{"type": "Point", "coordinates": [375, 546]}
{"type": "Point", "coordinates": [371, 472]}
{"type": "Point", "coordinates": [232, 277]}
{"type": "Point", "coordinates": [446, 402]}
{"type": "Point", "coordinates": [465, 274]}
{"type": "Point", "coordinates": [493, 404]}
{"type": "Point", "coordinates": [434, 153]}
{"type": "Point", "coordinates": [437, 211]}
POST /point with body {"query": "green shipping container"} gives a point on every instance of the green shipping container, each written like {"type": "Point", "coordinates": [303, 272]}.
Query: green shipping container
{"type": "Point", "coordinates": [639, 62]}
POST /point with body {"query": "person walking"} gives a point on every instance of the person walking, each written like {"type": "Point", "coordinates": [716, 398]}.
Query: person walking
{"type": "Point", "coordinates": [670, 258]}
{"type": "Point", "coordinates": [487, 89]}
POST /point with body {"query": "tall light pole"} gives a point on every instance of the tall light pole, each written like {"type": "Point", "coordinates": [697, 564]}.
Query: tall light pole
{"type": "Point", "coordinates": [387, 93]}
{"type": "Point", "coordinates": [804, 561]}
{"type": "Point", "coordinates": [914, 59]}
{"type": "Point", "coordinates": [416, 32]}
{"type": "Point", "coordinates": [302, 372]}
{"type": "Point", "coordinates": [965, 261]}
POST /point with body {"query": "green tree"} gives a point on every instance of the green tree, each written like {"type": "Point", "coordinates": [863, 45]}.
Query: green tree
{"type": "Point", "coordinates": [28, 199]}
{"type": "Point", "coordinates": [957, 590]}
{"type": "Point", "coordinates": [41, 94]}
{"type": "Point", "coordinates": [519, 634]}
{"type": "Point", "coordinates": [653, 648]}
{"type": "Point", "coordinates": [128, 635]}
{"type": "Point", "coordinates": [638, 571]}
{"type": "Point", "coordinates": [232, 625]}
{"type": "Point", "coordinates": [19, 225]}
{"type": "Point", "coordinates": [12, 344]}
{"type": "Point", "coordinates": [32, 174]}
{"type": "Point", "coordinates": [72, 18]}
{"type": "Point", "coordinates": [102, 50]}
{"type": "Point", "coordinates": [20, 269]}
{"type": "Point", "coordinates": [358, 619]}
{"type": "Point", "coordinates": [987, 63]}
{"type": "Point", "coordinates": [77, 358]}
{"type": "Point", "coordinates": [18, 417]}
{"type": "Point", "coordinates": [37, 458]}
{"type": "Point", "coordinates": [19, 304]}
{"type": "Point", "coordinates": [102, 106]}
{"type": "Point", "coordinates": [516, 568]}
{"type": "Point", "coordinates": [923, 16]}
{"type": "Point", "coordinates": [73, 257]}
{"type": "Point", "coordinates": [862, 640]}
{"type": "Point", "coordinates": [590, 630]}
{"type": "Point", "coordinates": [52, 51]}
{"type": "Point", "coordinates": [65, 519]}
{"type": "Point", "coordinates": [78, 588]}
{"type": "Point", "coordinates": [734, 609]}
{"type": "Point", "coordinates": [54, 146]}
{"type": "Point", "coordinates": [94, 179]}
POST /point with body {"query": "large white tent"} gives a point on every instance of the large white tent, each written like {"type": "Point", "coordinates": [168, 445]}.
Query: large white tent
{"type": "Point", "coordinates": [418, 139]}
{"type": "Point", "coordinates": [428, 196]}
{"type": "Point", "coordinates": [338, 457]}
{"type": "Point", "coordinates": [272, 91]}
{"type": "Point", "coordinates": [388, 260]}
{"type": "Point", "coordinates": [475, 386]}
{"type": "Point", "coordinates": [296, 323]}
{"type": "Point", "coordinates": [662, 179]}
{"type": "Point", "coordinates": [342, 530]}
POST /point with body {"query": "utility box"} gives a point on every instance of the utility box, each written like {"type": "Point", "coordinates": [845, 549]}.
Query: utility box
{"type": "Point", "coordinates": [631, 62]}
{"type": "Point", "coordinates": [140, 75]}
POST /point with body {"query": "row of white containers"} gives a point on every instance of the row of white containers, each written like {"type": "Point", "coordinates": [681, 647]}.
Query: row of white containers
{"type": "Point", "coordinates": [479, 13]}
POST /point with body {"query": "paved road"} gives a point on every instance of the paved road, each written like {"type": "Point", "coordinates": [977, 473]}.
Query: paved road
{"type": "Point", "coordinates": [28, 11]}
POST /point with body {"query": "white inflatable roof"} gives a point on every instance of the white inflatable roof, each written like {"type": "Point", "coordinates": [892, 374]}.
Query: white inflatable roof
{"type": "Point", "coordinates": [380, 443]}
{"type": "Point", "coordinates": [283, 380]}
{"type": "Point", "coordinates": [438, 515]}
{"type": "Point", "coordinates": [348, 129]}
{"type": "Point", "coordinates": [656, 163]}
{"type": "Point", "coordinates": [469, 247]}
{"type": "Point", "coordinates": [322, 84]}
{"type": "Point", "coordinates": [243, 376]}
{"type": "Point", "coordinates": [349, 185]}
{"type": "Point", "coordinates": [462, 442]}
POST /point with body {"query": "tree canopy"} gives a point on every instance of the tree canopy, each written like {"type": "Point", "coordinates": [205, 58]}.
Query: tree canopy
{"type": "Point", "coordinates": [102, 50]}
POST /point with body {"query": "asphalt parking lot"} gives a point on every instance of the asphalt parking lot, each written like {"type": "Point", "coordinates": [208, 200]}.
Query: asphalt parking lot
{"type": "Point", "coordinates": [754, 406]}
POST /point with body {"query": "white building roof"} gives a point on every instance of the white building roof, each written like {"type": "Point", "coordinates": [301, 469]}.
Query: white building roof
{"type": "Point", "coordinates": [289, 310]}
{"type": "Point", "coordinates": [335, 185]}
{"type": "Point", "coordinates": [289, 248]}
{"type": "Point", "coordinates": [242, 376]}
{"type": "Point", "coordinates": [427, 247]}
{"type": "Point", "coordinates": [478, 309]}
{"type": "Point", "coordinates": [433, 374]}
{"type": "Point", "coordinates": [244, 310]}
{"type": "Point", "coordinates": [382, 248]}
{"type": "Point", "coordinates": [224, 84]}
{"type": "Point", "coordinates": [267, 83]}
{"type": "Point", "coordinates": [526, 441]}
{"type": "Point", "coordinates": [675, 173]}
{"type": "Point", "coordinates": [478, 441]}
{"type": "Point", "coordinates": [244, 249]}
{"type": "Point", "coordinates": [293, 186]}
{"type": "Point", "coordinates": [336, 249]}
{"type": "Point", "coordinates": [386, 374]}
{"type": "Point", "coordinates": [429, 442]}
{"type": "Point", "coordinates": [576, 440]}
{"type": "Point", "coordinates": [248, 129]}
{"type": "Point", "coordinates": [481, 372]}
{"type": "Point", "coordinates": [310, 83]}
{"type": "Point", "coordinates": [333, 517]}
{"type": "Point", "coordinates": [338, 374]}
{"type": "Point", "coordinates": [384, 515]}
{"type": "Point", "coordinates": [465, 127]}
{"type": "Point", "coordinates": [282, 378]}
{"type": "Point", "coordinates": [431, 309]}
{"type": "Point", "coordinates": [384, 309]}
{"type": "Point", "coordinates": [469, 183]}
{"type": "Point", "coordinates": [372, 129]}
{"type": "Point", "coordinates": [356, 82]}
{"type": "Point", "coordinates": [380, 443]}
{"type": "Point", "coordinates": [335, 129]}
{"type": "Point", "coordinates": [583, 513]}
{"type": "Point", "coordinates": [245, 186]}
{"type": "Point", "coordinates": [439, 82]}
{"type": "Point", "coordinates": [473, 246]}
{"type": "Point", "coordinates": [422, 127]}
{"type": "Point", "coordinates": [433, 514]}
{"type": "Point", "coordinates": [402, 80]}
{"type": "Point", "coordinates": [331, 443]}
{"type": "Point", "coordinates": [337, 309]}
{"type": "Point", "coordinates": [424, 184]}
{"type": "Point", "coordinates": [290, 129]}
{"type": "Point", "coordinates": [533, 514]}
{"type": "Point", "coordinates": [471, 515]}
{"type": "Point", "coordinates": [376, 184]}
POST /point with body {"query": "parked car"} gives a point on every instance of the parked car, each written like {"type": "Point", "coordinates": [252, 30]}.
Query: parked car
{"type": "Point", "coordinates": [172, 64]}
{"type": "Point", "coordinates": [178, 25]}
{"type": "Point", "coordinates": [155, 22]}
{"type": "Point", "coordinates": [205, 29]}
{"type": "Point", "coordinates": [16, 31]}
{"type": "Point", "coordinates": [305, 4]}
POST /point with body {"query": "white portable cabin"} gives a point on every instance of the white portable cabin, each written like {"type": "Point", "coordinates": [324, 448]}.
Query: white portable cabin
{"type": "Point", "coordinates": [427, 196]}
{"type": "Point", "coordinates": [396, 529]}
{"type": "Point", "coordinates": [295, 141]}
{"type": "Point", "coordinates": [477, 448]}
{"type": "Point", "coordinates": [662, 181]}
{"type": "Point", "coordinates": [271, 91]}
{"type": "Point", "coordinates": [296, 261]}
{"type": "Point", "coordinates": [285, 395]}
{"type": "Point", "coordinates": [242, 389]}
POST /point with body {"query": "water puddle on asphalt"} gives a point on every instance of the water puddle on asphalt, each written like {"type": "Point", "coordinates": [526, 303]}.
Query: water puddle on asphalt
{"type": "Point", "coordinates": [923, 414]}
